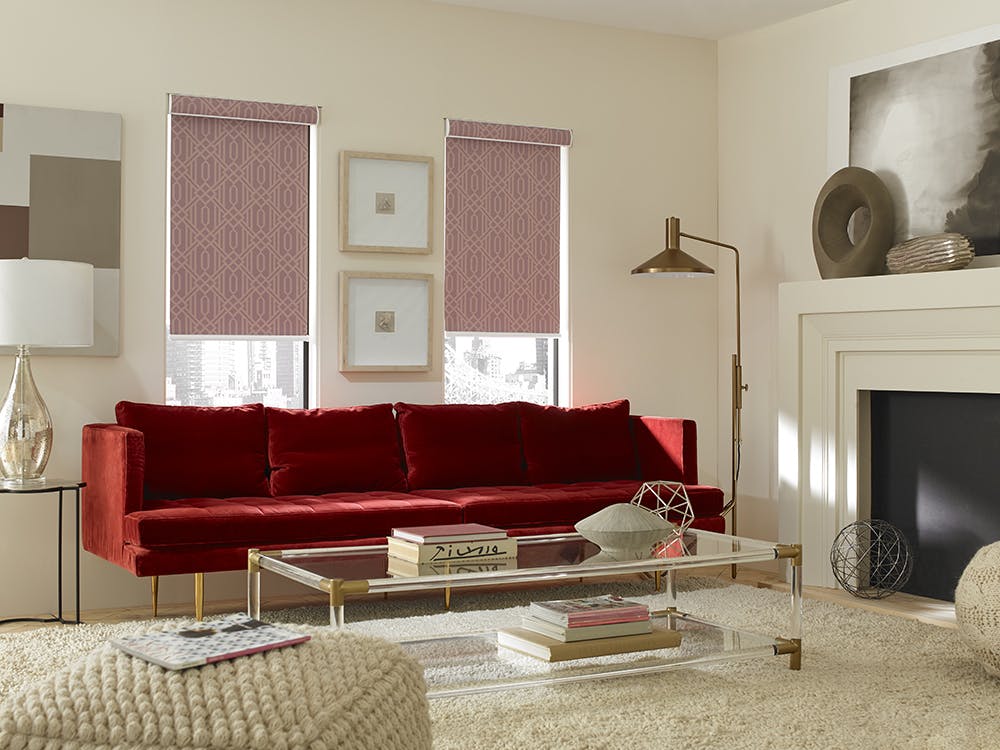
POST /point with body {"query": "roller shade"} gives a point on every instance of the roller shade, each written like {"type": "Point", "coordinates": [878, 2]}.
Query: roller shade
{"type": "Point", "coordinates": [239, 217]}
{"type": "Point", "coordinates": [502, 210]}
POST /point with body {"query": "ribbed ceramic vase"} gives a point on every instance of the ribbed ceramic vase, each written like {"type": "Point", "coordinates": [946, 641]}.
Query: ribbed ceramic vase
{"type": "Point", "coordinates": [933, 252]}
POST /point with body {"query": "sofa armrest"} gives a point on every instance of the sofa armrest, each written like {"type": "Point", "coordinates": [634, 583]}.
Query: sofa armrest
{"type": "Point", "coordinates": [113, 468]}
{"type": "Point", "coordinates": [667, 448]}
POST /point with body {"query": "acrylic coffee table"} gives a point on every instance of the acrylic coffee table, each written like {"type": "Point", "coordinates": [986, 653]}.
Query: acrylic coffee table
{"type": "Point", "coordinates": [561, 558]}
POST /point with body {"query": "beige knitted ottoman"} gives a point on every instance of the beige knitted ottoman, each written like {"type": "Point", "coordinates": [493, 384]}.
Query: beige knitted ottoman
{"type": "Point", "coordinates": [977, 606]}
{"type": "Point", "coordinates": [339, 690]}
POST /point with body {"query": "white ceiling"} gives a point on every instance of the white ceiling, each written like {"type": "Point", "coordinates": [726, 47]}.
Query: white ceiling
{"type": "Point", "coordinates": [706, 19]}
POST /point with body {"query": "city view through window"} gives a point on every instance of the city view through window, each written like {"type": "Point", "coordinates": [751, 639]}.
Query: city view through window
{"type": "Point", "coordinates": [493, 369]}
{"type": "Point", "coordinates": [204, 372]}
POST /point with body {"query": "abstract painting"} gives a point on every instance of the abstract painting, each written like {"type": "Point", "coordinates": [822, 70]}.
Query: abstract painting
{"type": "Point", "coordinates": [60, 199]}
{"type": "Point", "coordinates": [930, 128]}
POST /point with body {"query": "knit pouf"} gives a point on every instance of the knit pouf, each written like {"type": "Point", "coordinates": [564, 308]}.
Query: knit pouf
{"type": "Point", "coordinates": [977, 606]}
{"type": "Point", "coordinates": [340, 690]}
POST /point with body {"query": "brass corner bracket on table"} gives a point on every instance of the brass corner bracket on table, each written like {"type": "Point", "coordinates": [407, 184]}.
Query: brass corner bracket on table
{"type": "Point", "coordinates": [790, 551]}
{"type": "Point", "coordinates": [792, 647]}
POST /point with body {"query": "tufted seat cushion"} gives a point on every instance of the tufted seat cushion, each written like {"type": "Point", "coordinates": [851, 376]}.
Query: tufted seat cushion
{"type": "Point", "coordinates": [555, 504]}
{"type": "Point", "coordinates": [340, 690]}
{"type": "Point", "coordinates": [293, 518]}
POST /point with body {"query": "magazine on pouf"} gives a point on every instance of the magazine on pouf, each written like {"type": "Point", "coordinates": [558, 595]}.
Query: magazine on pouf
{"type": "Point", "coordinates": [208, 642]}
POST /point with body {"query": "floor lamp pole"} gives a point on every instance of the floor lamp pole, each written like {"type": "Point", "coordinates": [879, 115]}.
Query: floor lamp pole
{"type": "Point", "coordinates": [737, 395]}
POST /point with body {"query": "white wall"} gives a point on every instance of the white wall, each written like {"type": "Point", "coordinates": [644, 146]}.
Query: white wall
{"type": "Point", "coordinates": [773, 116]}
{"type": "Point", "coordinates": [642, 107]}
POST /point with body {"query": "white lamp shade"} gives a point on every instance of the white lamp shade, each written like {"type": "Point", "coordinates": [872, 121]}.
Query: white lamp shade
{"type": "Point", "coordinates": [46, 303]}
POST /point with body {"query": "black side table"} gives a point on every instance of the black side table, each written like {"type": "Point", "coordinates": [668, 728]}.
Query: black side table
{"type": "Point", "coordinates": [52, 486]}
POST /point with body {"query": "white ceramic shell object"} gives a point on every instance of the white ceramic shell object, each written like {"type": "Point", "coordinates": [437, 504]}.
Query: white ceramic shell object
{"type": "Point", "coordinates": [624, 528]}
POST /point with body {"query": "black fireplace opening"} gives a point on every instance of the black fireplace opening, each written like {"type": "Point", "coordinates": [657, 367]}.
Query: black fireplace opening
{"type": "Point", "coordinates": [934, 460]}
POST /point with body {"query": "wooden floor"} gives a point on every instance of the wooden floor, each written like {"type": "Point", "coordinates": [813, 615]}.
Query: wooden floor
{"type": "Point", "coordinates": [930, 611]}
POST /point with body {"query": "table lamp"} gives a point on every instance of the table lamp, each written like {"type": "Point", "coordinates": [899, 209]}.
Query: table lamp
{"type": "Point", "coordinates": [675, 263]}
{"type": "Point", "coordinates": [42, 303]}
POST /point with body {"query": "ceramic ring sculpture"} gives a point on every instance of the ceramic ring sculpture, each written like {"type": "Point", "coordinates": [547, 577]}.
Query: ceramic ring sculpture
{"type": "Point", "coordinates": [846, 191]}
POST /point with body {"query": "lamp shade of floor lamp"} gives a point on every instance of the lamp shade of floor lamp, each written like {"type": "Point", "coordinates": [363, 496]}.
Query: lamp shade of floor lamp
{"type": "Point", "coordinates": [46, 303]}
{"type": "Point", "coordinates": [675, 263]}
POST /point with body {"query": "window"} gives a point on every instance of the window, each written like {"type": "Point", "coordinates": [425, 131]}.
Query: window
{"type": "Point", "coordinates": [505, 263]}
{"type": "Point", "coordinates": [241, 214]}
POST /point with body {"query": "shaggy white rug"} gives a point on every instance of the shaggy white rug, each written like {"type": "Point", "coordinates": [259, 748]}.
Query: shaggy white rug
{"type": "Point", "coordinates": [867, 680]}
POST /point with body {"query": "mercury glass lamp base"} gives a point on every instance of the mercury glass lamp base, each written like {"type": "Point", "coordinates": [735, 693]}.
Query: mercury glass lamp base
{"type": "Point", "coordinates": [25, 428]}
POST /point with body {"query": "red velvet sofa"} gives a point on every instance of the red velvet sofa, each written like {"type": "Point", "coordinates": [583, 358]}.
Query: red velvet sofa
{"type": "Point", "coordinates": [175, 489]}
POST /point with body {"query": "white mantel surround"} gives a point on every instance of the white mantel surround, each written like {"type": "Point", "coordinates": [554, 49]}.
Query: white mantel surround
{"type": "Point", "coordinates": [919, 332]}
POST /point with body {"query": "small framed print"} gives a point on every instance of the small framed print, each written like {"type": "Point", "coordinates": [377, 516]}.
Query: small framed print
{"type": "Point", "coordinates": [385, 322]}
{"type": "Point", "coordinates": [386, 202]}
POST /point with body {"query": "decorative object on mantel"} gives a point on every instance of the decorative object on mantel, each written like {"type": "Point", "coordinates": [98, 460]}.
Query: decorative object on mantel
{"type": "Point", "coordinates": [673, 262]}
{"type": "Point", "coordinates": [668, 500]}
{"type": "Point", "coordinates": [42, 303]}
{"type": "Point", "coordinates": [857, 195]}
{"type": "Point", "coordinates": [977, 607]}
{"type": "Point", "coordinates": [871, 559]}
{"type": "Point", "coordinates": [945, 251]}
{"type": "Point", "coordinates": [623, 529]}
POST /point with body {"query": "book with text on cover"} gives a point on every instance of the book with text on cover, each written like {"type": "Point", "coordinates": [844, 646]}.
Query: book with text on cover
{"type": "Point", "coordinates": [585, 632]}
{"type": "Point", "coordinates": [452, 551]}
{"type": "Point", "coordinates": [208, 642]}
{"type": "Point", "coordinates": [407, 568]}
{"type": "Point", "coordinates": [595, 610]}
{"type": "Point", "coordinates": [450, 532]}
{"type": "Point", "coordinates": [549, 649]}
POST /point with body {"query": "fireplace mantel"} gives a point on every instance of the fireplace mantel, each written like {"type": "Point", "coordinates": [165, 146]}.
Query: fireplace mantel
{"type": "Point", "coordinates": [838, 337]}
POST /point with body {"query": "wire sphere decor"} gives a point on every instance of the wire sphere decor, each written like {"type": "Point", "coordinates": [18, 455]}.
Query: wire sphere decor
{"type": "Point", "coordinates": [871, 559]}
{"type": "Point", "coordinates": [668, 500]}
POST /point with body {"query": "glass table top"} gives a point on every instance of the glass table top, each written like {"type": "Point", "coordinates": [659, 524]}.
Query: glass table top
{"type": "Point", "coordinates": [545, 557]}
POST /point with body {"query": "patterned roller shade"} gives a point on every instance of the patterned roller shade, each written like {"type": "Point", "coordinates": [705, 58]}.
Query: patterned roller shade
{"type": "Point", "coordinates": [502, 205]}
{"type": "Point", "coordinates": [239, 218]}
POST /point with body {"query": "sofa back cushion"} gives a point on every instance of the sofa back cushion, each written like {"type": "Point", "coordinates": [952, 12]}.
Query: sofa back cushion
{"type": "Point", "coordinates": [200, 451]}
{"type": "Point", "coordinates": [584, 444]}
{"type": "Point", "coordinates": [316, 451]}
{"type": "Point", "coordinates": [461, 445]}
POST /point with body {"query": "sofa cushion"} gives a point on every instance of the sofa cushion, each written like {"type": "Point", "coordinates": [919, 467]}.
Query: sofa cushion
{"type": "Point", "coordinates": [315, 451]}
{"type": "Point", "coordinates": [200, 450]}
{"type": "Point", "coordinates": [587, 443]}
{"type": "Point", "coordinates": [547, 505]}
{"type": "Point", "coordinates": [461, 445]}
{"type": "Point", "coordinates": [259, 521]}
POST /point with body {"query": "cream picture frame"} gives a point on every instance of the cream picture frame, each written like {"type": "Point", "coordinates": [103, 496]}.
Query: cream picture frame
{"type": "Point", "coordinates": [386, 203]}
{"type": "Point", "coordinates": [385, 321]}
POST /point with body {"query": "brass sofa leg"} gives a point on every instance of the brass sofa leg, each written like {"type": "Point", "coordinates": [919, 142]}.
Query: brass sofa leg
{"type": "Point", "coordinates": [154, 583]}
{"type": "Point", "coordinates": [199, 596]}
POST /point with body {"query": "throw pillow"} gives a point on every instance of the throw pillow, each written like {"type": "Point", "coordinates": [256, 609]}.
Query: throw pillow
{"type": "Point", "coordinates": [587, 443]}
{"type": "Point", "coordinates": [200, 451]}
{"type": "Point", "coordinates": [461, 445]}
{"type": "Point", "coordinates": [315, 451]}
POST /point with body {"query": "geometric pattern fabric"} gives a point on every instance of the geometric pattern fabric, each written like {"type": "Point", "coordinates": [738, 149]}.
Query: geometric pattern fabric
{"type": "Point", "coordinates": [239, 227]}
{"type": "Point", "coordinates": [502, 215]}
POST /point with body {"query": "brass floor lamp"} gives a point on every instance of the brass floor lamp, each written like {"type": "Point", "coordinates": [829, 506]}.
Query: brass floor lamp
{"type": "Point", "coordinates": [675, 263]}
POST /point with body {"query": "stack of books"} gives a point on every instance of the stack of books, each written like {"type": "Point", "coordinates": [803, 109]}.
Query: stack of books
{"type": "Point", "coordinates": [580, 628]}
{"type": "Point", "coordinates": [450, 548]}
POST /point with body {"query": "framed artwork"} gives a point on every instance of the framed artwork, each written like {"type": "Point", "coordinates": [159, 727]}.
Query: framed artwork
{"type": "Point", "coordinates": [386, 202]}
{"type": "Point", "coordinates": [385, 322]}
{"type": "Point", "coordinates": [925, 120]}
{"type": "Point", "coordinates": [60, 199]}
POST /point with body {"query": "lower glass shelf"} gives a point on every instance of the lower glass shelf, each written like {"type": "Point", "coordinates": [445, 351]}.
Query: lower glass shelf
{"type": "Point", "coordinates": [474, 663]}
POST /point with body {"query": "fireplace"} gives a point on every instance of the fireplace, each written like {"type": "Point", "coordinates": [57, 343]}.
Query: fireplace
{"type": "Point", "coordinates": [932, 462]}
{"type": "Point", "coordinates": [840, 339]}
